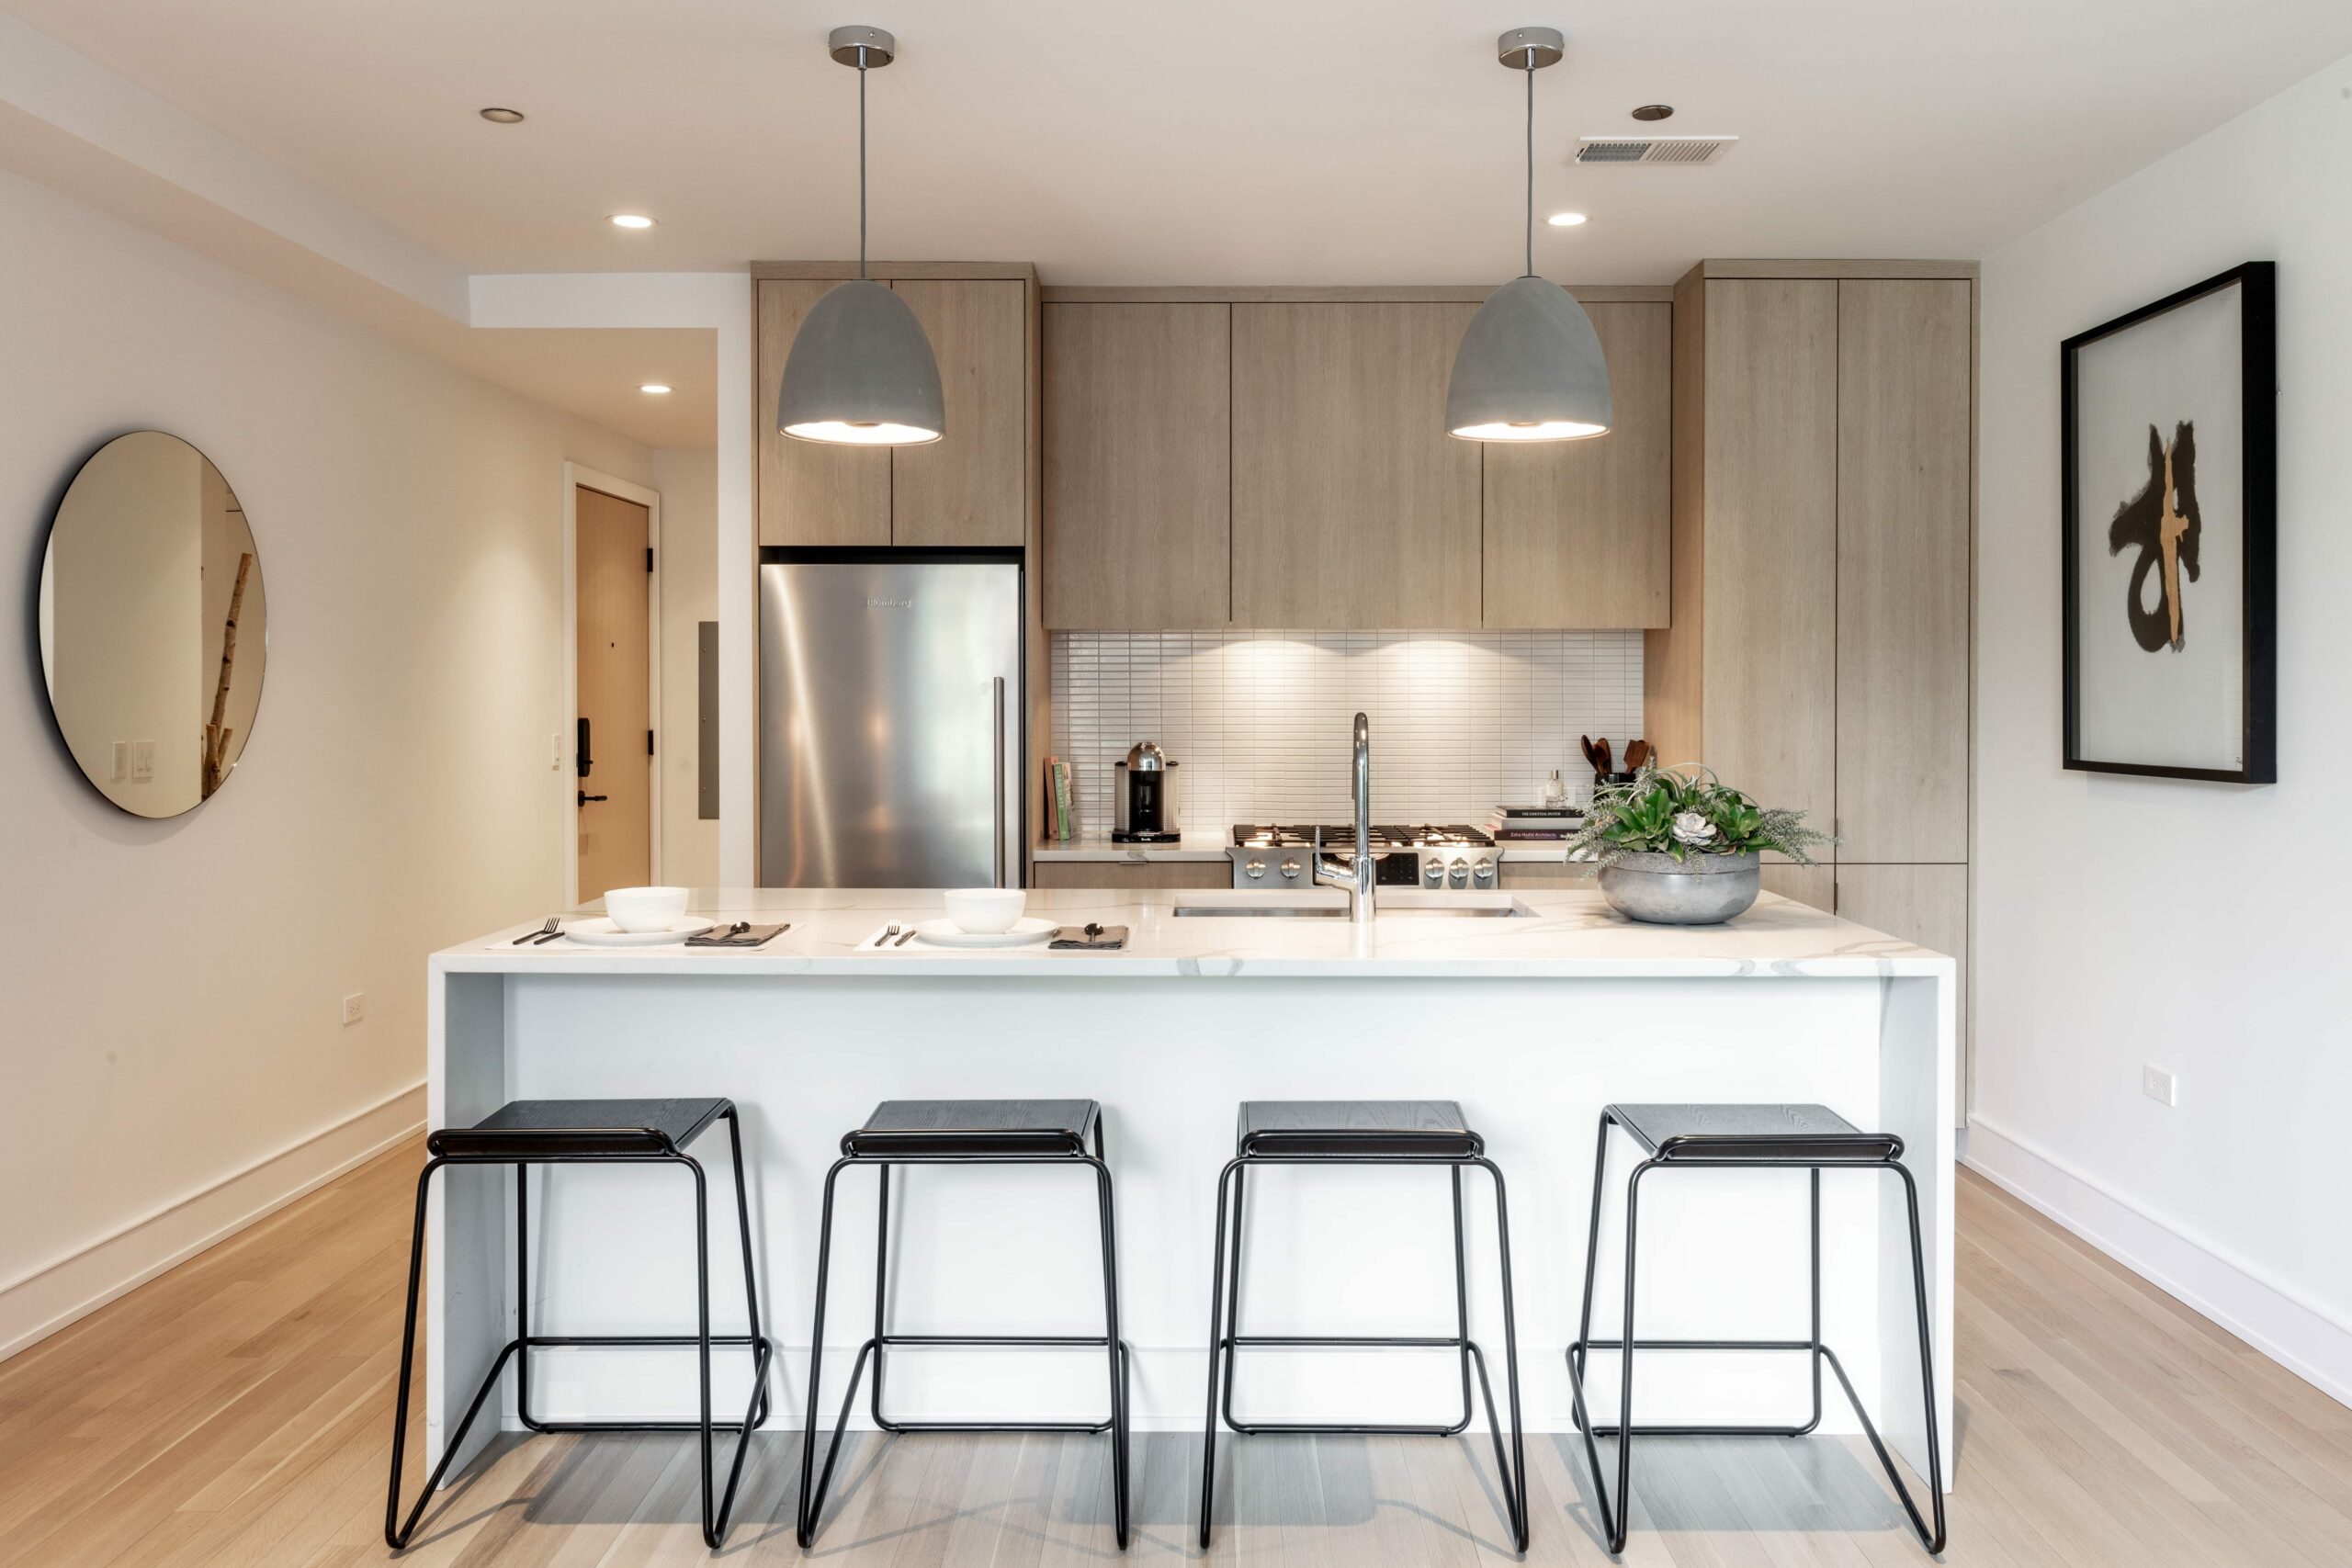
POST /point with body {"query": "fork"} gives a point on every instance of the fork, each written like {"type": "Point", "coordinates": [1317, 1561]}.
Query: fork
{"type": "Point", "coordinates": [555, 924]}
{"type": "Point", "coordinates": [888, 932]}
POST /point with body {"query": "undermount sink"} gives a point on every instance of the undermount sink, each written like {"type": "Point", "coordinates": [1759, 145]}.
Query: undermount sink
{"type": "Point", "coordinates": [1400, 903]}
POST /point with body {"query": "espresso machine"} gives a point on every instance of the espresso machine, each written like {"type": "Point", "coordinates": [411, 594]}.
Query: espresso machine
{"type": "Point", "coordinates": [1144, 794]}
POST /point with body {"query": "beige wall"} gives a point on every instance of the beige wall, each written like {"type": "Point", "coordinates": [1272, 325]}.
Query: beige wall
{"type": "Point", "coordinates": [172, 1050]}
{"type": "Point", "coordinates": [689, 482]}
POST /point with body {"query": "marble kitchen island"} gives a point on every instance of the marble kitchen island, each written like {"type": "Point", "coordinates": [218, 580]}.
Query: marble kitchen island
{"type": "Point", "coordinates": [1533, 1023]}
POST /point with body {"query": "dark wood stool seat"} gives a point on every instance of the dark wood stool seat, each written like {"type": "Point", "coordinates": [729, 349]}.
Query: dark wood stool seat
{"type": "Point", "coordinates": [955, 1129]}
{"type": "Point", "coordinates": [1812, 1138]}
{"type": "Point", "coordinates": [1343, 1129]}
{"type": "Point", "coordinates": [1064, 1133]}
{"type": "Point", "coordinates": [524, 1133]}
{"type": "Point", "coordinates": [524, 1129]}
{"type": "Point", "coordinates": [1791, 1134]}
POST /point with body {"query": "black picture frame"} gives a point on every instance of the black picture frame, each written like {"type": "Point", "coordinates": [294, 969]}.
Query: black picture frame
{"type": "Point", "coordinates": [2258, 706]}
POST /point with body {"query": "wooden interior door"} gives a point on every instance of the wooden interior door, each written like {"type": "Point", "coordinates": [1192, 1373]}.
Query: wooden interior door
{"type": "Point", "coordinates": [616, 707]}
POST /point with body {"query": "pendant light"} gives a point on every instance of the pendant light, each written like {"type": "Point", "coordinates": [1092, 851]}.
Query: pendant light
{"type": "Point", "coordinates": [860, 372]}
{"type": "Point", "coordinates": [1529, 368]}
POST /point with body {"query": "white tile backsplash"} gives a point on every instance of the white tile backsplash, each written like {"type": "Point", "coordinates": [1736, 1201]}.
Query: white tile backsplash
{"type": "Point", "coordinates": [1260, 720]}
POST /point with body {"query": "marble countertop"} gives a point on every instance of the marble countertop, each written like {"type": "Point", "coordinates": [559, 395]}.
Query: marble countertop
{"type": "Point", "coordinates": [1569, 932]}
{"type": "Point", "coordinates": [1098, 847]}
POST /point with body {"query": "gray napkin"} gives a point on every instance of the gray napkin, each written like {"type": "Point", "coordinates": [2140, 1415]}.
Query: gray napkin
{"type": "Point", "coordinates": [1089, 936]}
{"type": "Point", "coordinates": [740, 934]}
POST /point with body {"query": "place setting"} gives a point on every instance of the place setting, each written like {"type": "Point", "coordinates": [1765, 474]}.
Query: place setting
{"type": "Point", "coordinates": [648, 917]}
{"type": "Point", "coordinates": [991, 918]}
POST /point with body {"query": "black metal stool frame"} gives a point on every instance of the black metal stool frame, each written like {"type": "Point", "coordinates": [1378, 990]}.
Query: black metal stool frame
{"type": "Point", "coordinates": [815, 1483]}
{"type": "Point", "coordinates": [1866, 1151]}
{"type": "Point", "coordinates": [396, 1531]}
{"type": "Point", "coordinates": [1225, 1338]}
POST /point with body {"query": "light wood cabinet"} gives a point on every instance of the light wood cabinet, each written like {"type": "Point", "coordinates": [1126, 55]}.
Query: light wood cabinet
{"type": "Point", "coordinates": [810, 493]}
{"type": "Point", "coordinates": [966, 488]}
{"type": "Point", "coordinates": [1904, 463]}
{"type": "Point", "coordinates": [1577, 531]}
{"type": "Point", "coordinates": [1138, 478]}
{"type": "Point", "coordinates": [1769, 556]}
{"type": "Point", "coordinates": [1824, 515]}
{"type": "Point", "coordinates": [970, 488]}
{"type": "Point", "coordinates": [1352, 506]}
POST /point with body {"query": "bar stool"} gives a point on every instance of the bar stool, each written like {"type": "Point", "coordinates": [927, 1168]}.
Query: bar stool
{"type": "Point", "coordinates": [967, 1132]}
{"type": "Point", "coordinates": [588, 1132]}
{"type": "Point", "coordinates": [1785, 1137]}
{"type": "Point", "coordinates": [1362, 1131]}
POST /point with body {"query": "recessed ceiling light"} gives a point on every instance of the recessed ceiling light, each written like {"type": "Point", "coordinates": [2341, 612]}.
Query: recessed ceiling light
{"type": "Point", "coordinates": [653, 387]}
{"type": "Point", "coordinates": [502, 116]}
{"type": "Point", "coordinates": [1564, 220]}
{"type": "Point", "coordinates": [1654, 111]}
{"type": "Point", "coordinates": [631, 220]}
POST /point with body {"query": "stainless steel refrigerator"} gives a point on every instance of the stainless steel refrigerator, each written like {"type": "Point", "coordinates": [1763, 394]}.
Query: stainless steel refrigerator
{"type": "Point", "coordinates": [891, 720]}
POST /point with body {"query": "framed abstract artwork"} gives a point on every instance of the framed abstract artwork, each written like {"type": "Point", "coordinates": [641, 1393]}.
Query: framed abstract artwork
{"type": "Point", "coordinates": [2170, 459]}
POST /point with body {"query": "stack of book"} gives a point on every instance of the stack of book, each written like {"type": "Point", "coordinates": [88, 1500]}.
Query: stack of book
{"type": "Point", "coordinates": [1536, 824]}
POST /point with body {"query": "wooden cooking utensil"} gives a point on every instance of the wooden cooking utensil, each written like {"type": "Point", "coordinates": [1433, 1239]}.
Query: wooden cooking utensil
{"type": "Point", "coordinates": [1636, 753]}
{"type": "Point", "coordinates": [1590, 754]}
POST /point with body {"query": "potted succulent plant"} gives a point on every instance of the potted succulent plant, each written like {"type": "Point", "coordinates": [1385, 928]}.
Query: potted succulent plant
{"type": "Point", "coordinates": [1680, 847]}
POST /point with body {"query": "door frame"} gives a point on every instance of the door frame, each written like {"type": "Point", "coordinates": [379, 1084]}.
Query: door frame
{"type": "Point", "coordinates": [575, 475]}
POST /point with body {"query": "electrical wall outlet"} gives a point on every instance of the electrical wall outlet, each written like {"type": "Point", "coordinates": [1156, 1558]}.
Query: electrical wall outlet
{"type": "Point", "coordinates": [355, 1007]}
{"type": "Point", "coordinates": [2160, 1085]}
{"type": "Point", "coordinates": [142, 762]}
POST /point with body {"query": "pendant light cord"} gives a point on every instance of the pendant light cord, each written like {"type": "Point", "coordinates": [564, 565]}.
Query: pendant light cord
{"type": "Point", "coordinates": [861, 166]}
{"type": "Point", "coordinates": [1530, 58]}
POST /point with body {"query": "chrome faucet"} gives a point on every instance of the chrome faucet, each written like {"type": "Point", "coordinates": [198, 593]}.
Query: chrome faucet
{"type": "Point", "coordinates": [1356, 879]}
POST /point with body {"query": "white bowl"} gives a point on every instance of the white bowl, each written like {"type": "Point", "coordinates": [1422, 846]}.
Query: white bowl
{"type": "Point", "coordinates": [985, 911]}
{"type": "Point", "coordinates": [645, 909]}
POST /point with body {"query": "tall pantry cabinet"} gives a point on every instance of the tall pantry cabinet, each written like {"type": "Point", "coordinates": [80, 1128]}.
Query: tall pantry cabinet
{"type": "Point", "coordinates": [1824, 511]}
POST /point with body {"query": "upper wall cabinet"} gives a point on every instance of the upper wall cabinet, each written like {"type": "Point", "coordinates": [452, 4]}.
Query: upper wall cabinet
{"type": "Point", "coordinates": [810, 494]}
{"type": "Point", "coordinates": [968, 488]}
{"type": "Point", "coordinates": [1579, 532]}
{"type": "Point", "coordinates": [1352, 506]}
{"type": "Point", "coordinates": [1138, 476]}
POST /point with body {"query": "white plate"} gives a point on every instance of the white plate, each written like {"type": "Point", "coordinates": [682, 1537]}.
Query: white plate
{"type": "Point", "coordinates": [602, 933]}
{"type": "Point", "coordinates": [1024, 934]}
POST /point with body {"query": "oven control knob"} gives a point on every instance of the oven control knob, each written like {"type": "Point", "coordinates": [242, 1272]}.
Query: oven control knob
{"type": "Point", "coordinates": [1254, 869]}
{"type": "Point", "coordinates": [1291, 869]}
{"type": "Point", "coordinates": [1484, 871]}
{"type": "Point", "coordinates": [1462, 873]}
{"type": "Point", "coordinates": [1434, 872]}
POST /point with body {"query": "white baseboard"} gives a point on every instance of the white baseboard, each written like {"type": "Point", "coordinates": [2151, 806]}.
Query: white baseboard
{"type": "Point", "coordinates": [2270, 1315]}
{"type": "Point", "coordinates": [36, 1305]}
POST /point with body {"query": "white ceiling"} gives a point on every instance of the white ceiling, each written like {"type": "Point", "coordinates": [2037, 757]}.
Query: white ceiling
{"type": "Point", "coordinates": [1203, 141]}
{"type": "Point", "coordinates": [595, 373]}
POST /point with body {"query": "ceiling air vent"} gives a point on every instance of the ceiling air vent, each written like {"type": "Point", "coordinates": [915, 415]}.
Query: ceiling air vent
{"type": "Point", "coordinates": [1685, 150]}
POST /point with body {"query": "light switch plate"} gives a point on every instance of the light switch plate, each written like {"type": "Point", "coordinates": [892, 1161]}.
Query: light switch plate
{"type": "Point", "coordinates": [121, 766]}
{"type": "Point", "coordinates": [2160, 1085]}
{"type": "Point", "coordinates": [142, 762]}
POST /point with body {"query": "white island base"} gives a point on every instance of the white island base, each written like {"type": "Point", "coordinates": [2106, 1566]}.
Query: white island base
{"type": "Point", "coordinates": [1533, 1025]}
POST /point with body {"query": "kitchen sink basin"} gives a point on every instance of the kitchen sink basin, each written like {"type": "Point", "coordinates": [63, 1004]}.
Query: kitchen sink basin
{"type": "Point", "coordinates": [1403, 903]}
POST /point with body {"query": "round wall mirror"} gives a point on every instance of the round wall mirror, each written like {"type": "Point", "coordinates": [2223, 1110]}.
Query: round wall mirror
{"type": "Point", "coordinates": [153, 628]}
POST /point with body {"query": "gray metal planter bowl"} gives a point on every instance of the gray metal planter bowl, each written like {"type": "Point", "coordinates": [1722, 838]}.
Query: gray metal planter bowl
{"type": "Point", "coordinates": [1703, 890]}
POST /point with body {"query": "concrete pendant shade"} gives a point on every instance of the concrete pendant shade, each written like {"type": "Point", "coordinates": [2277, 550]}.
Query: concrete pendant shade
{"type": "Point", "coordinates": [1530, 369]}
{"type": "Point", "coordinates": [861, 373]}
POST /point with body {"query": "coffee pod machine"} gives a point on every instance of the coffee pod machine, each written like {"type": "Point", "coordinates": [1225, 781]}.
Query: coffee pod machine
{"type": "Point", "coordinates": [1144, 795]}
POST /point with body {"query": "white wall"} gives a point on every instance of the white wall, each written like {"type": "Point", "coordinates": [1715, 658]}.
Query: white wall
{"type": "Point", "coordinates": [2201, 928]}
{"type": "Point", "coordinates": [689, 482]}
{"type": "Point", "coordinates": [171, 1053]}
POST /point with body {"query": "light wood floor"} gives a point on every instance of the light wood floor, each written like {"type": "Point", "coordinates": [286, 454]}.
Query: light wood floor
{"type": "Point", "coordinates": [234, 1413]}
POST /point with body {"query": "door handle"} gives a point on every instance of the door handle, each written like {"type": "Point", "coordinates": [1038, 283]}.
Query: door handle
{"type": "Point", "coordinates": [997, 714]}
{"type": "Point", "coordinates": [582, 750]}
{"type": "Point", "coordinates": [585, 798]}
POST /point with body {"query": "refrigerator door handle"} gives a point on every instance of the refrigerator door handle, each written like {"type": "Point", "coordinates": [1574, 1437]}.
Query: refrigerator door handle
{"type": "Point", "coordinates": [997, 728]}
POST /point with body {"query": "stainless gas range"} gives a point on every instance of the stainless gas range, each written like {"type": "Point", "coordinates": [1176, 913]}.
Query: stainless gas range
{"type": "Point", "coordinates": [1281, 856]}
